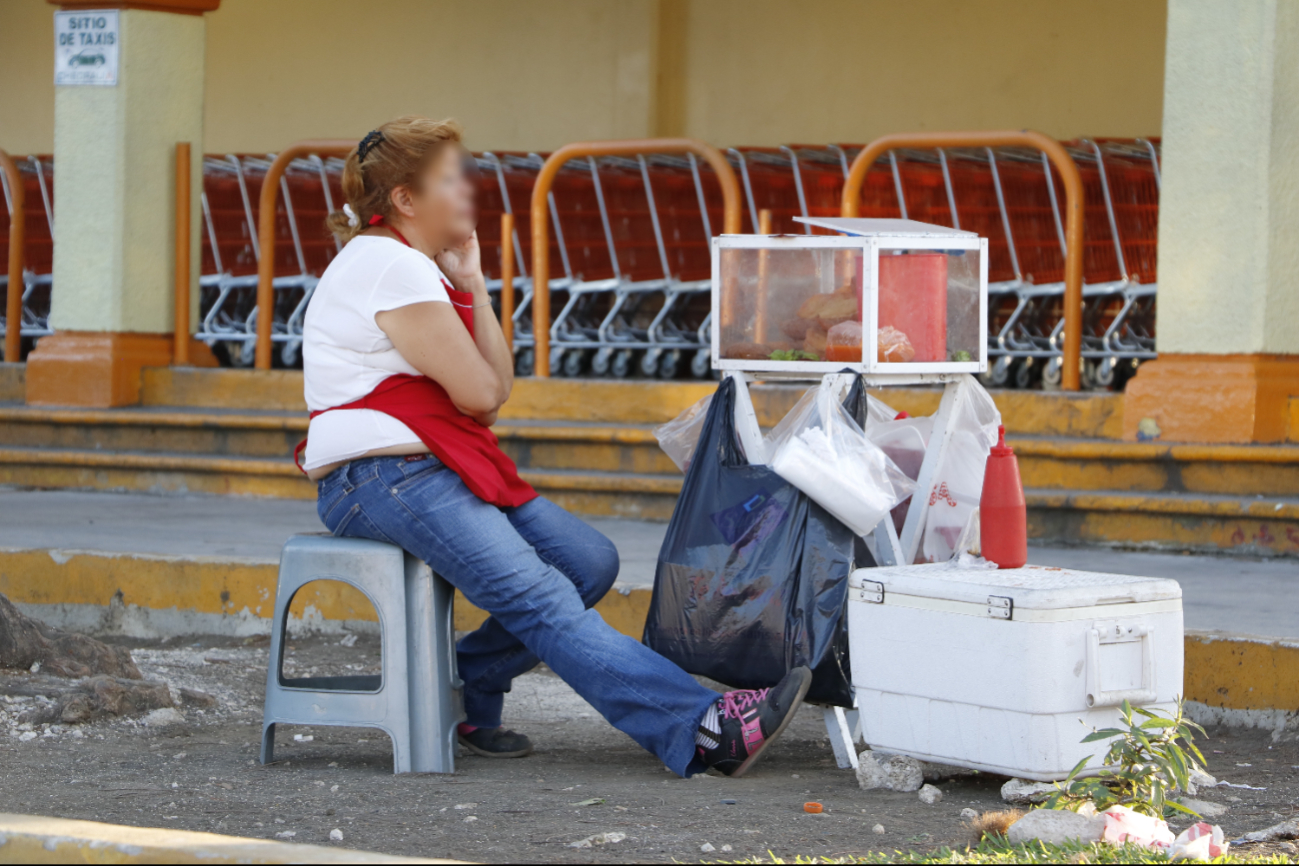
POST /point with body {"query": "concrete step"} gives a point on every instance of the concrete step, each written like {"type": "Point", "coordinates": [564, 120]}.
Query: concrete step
{"type": "Point", "coordinates": [1046, 462]}
{"type": "Point", "coordinates": [1038, 413]}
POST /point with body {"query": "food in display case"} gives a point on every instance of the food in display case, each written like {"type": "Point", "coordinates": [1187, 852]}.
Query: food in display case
{"type": "Point", "coordinates": [911, 294]}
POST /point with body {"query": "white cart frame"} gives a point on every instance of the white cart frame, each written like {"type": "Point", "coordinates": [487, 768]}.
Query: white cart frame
{"type": "Point", "coordinates": [843, 726]}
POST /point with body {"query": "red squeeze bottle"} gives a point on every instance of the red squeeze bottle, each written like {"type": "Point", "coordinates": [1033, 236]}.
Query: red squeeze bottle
{"type": "Point", "coordinates": [1003, 519]}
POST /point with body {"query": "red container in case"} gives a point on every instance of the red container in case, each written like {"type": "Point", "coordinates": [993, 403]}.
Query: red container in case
{"type": "Point", "coordinates": [913, 299]}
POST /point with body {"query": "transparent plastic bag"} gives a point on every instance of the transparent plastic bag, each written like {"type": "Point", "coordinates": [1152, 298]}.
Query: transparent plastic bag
{"type": "Point", "coordinates": [679, 436]}
{"type": "Point", "coordinates": [819, 448]}
{"type": "Point", "coordinates": [958, 477]}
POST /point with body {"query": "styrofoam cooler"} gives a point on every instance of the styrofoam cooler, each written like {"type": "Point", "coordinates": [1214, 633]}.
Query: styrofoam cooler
{"type": "Point", "coordinates": [1007, 670]}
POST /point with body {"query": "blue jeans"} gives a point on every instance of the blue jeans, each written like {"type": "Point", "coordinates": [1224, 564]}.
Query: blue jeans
{"type": "Point", "coordinates": [538, 571]}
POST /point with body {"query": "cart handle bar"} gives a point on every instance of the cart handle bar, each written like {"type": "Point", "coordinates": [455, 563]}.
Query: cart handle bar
{"type": "Point", "coordinates": [266, 233]}
{"type": "Point", "coordinates": [17, 242]}
{"type": "Point", "coordinates": [1073, 191]}
{"type": "Point", "coordinates": [541, 221]}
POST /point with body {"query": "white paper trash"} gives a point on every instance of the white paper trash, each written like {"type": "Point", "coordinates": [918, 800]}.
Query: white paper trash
{"type": "Point", "coordinates": [1006, 671]}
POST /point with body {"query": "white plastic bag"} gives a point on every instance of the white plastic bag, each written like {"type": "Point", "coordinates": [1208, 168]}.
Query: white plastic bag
{"type": "Point", "coordinates": [819, 449]}
{"type": "Point", "coordinates": [1202, 841]}
{"type": "Point", "coordinates": [958, 477]}
{"type": "Point", "coordinates": [1122, 825]}
{"type": "Point", "coordinates": [679, 436]}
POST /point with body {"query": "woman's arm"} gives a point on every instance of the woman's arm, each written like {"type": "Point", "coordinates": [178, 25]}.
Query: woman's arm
{"type": "Point", "coordinates": [462, 266]}
{"type": "Point", "coordinates": [433, 340]}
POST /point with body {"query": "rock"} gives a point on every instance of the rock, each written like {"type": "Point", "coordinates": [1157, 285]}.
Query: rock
{"type": "Point", "coordinates": [1288, 847]}
{"type": "Point", "coordinates": [929, 795]}
{"type": "Point", "coordinates": [598, 839]}
{"type": "Point", "coordinates": [707, 848]}
{"type": "Point", "coordinates": [1284, 830]}
{"type": "Point", "coordinates": [1203, 807]}
{"type": "Point", "coordinates": [1056, 827]}
{"type": "Point", "coordinates": [163, 717]}
{"type": "Point", "coordinates": [469, 819]}
{"type": "Point", "coordinates": [897, 773]}
{"type": "Point", "coordinates": [286, 834]}
{"type": "Point", "coordinates": [727, 849]}
{"type": "Point", "coordinates": [27, 644]}
{"type": "Point", "coordinates": [1022, 793]}
{"type": "Point", "coordinates": [335, 835]}
{"type": "Point", "coordinates": [969, 814]}
{"type": "Point", "coordinates": [878, 829]}
{"type": "Point", "coordinates": [197, 700]}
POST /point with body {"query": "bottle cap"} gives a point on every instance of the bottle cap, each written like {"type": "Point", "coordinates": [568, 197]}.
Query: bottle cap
{"type": "Point", "coordinates": [1001, 449]}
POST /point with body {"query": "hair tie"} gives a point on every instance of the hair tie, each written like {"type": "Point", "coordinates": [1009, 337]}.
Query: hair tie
{"type": "Point", "coordinates": [352, 219]}
{"type": "Point", "coordinates": [372, 140]}
{"type": "Point", "coordinates": [376, 219]}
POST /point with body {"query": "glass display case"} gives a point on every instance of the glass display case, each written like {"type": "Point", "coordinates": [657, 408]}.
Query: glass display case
{"type": "Point", "coordinates": [885, 297]}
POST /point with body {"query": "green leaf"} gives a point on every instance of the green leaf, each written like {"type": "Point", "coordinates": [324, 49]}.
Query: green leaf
{"type": "Point", "coordinates": [1157, 722]}
{"type": "Point", "coordinates": [1099, 735]}
{"type": "Point", "coordinates": [594, 801]}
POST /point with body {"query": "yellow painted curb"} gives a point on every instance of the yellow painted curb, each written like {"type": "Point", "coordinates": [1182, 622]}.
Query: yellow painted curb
{"type": "Point", "coordinates": [36, 839]}
{"type": "Point", "coordinates": [1230, 671]}
{"type": "Point", "coordinates": [1242, 673]}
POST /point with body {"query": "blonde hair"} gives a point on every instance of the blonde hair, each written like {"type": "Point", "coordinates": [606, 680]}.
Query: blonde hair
{"type": "Point", "coordinates": [395, 157]}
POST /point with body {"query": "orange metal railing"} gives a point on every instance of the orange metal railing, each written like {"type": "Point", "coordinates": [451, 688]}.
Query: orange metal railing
{"type": "Point", "coordinates": [180, 354]}
{"type": "Point", "coordinates": [17, 242]}
{"type": "Point", "coordinates": [541, 221]}
{"type": "Point", "coordinates": [266, 234]}
{"type": "Point", "coordinates": [507, 278]}
{"type": "Point", "coordinates": [1073, 260]}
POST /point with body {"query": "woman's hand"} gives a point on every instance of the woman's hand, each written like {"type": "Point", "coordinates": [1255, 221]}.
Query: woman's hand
{"type": "Point", "coordinates": [463, 265]}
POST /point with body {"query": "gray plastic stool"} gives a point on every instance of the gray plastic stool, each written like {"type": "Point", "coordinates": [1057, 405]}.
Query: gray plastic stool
{"type": "Point", "coordinates": [416, 698]}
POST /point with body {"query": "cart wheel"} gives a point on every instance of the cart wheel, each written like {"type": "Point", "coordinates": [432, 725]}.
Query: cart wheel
{"type": "Point", "coordinates": [669, 364]}
{"type": "Point", "coordinates": [243, 354]}
{"type": "Point", "coordinates": [649, 362]}
{"type": "Point", "coordinates": [1088, 374]}
{"type": "Point", "coordinates": [1052, 374]}
{"type": "Point", "coordinates": [289, 354]}
{"type": "Point", "coordinates": [557, 362]}
{"type": "Point", "coordinates": [525, 363]}
{"type": "Point", "coordinates": [601, 361]}
{"type": "Point", "coordinates": [1024, 372]}
{"type": "Point", "coordinates": [574, 361]}
{"type": "Point", "coordinates": [700, 364]}
{"type": "Point", "coordinates": [620, 366]}
{"type": "Point", "coordinates": [1105, 373]}
{"type": "Point", "coordinates": [999, 372]}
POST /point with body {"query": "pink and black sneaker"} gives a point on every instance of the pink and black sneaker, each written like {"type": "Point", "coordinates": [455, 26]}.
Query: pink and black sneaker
{"type": "Point", "coordinates": [748, 720]}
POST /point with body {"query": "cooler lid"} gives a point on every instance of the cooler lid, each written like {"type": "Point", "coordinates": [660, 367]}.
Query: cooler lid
{"type": "Point", "coordinates": [872, 227]}
{"type": "Point", "coordinates": [1033, 587]}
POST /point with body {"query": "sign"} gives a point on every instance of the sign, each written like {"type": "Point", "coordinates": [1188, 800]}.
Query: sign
{"type": "Point", "coordinates": [86, 47]}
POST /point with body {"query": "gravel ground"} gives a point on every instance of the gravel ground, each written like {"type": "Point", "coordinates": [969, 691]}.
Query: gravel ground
{"type": "Point", "coordinates": [203, 774]}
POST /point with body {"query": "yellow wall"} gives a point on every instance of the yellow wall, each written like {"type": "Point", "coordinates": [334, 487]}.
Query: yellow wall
{"type": "Point", "coordinates": [527, 74]}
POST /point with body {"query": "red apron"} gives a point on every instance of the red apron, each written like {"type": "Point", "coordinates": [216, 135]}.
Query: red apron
{"type": "Point", "coordinates": [466, 447]}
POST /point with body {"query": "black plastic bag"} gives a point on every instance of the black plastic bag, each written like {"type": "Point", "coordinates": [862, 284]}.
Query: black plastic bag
{"type": "Point", "coordinates": [752, 579]}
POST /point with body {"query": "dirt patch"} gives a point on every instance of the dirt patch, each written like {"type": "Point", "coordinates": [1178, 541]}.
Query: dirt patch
{"type": "Point", "coordinates": [203, 775]}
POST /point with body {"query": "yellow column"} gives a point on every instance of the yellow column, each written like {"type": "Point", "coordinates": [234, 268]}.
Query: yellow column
{"type": "Point", "coordinates": [1228, 310]}
{"type": "Point", "coordinates": [114, 243]}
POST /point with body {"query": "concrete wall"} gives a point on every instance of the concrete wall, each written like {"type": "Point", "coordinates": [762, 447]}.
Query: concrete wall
{"type": "Point", "coordinates": [522, 74]}
{"type": "Point", "coordinates": [1228, 263]}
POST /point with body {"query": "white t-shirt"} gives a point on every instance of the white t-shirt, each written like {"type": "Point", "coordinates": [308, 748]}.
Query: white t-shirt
{"type": "Point", "coordinates": [345, 355]}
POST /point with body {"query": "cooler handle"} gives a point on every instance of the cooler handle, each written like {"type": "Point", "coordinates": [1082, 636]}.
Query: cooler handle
{"type": "Point", "coordinates": [1111, 633]}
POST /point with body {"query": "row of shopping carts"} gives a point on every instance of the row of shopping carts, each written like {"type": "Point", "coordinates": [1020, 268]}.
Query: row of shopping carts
{"type": "Point", "coordinates": [37, 173]}
{"type": "Point", "coordinates": [629, 246]}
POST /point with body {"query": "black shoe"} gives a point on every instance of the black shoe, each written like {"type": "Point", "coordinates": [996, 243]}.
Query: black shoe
{"type": "Point", "coordinates": [496, 743]}
{"type": "Point", "coordinates": [751, 719]}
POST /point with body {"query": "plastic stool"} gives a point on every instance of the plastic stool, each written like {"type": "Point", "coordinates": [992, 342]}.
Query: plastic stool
{"type": "Point", "coordinates": [416, 698]}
